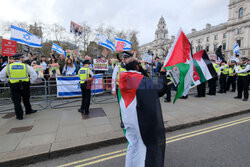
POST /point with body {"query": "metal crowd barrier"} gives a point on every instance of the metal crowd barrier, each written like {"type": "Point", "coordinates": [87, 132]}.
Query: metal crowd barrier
{"type": "Point", "coordinates": [38, 96]}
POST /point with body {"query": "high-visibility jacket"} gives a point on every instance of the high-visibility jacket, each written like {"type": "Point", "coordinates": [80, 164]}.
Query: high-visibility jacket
{"type": "Point", "coordinates": [244, 73]}
{"type": "Point", "coordinates": [225, 70]}
{"type": "Point", "coordinates": [231, 71]}
{"type": "Point", "coordinates": [18, 72]}
{"type": "Point", "coordinates": [216, 67]}
{"type": "Point", "coordinates": [120, 69]}
{"type": "Point", "coordinates": [83, 74]}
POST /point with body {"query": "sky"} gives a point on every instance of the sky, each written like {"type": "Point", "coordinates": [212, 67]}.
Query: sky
{"type": "Point", "coordinates": [139, 15]}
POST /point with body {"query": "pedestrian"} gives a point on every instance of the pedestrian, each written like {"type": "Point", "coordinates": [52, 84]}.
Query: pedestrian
{"type": "Point", "coordinates": [201, 90]}
{"type": "Point", "coordinates": [18, 74]}
{"type": "Point", "coordinates": [224, 68]}
{"type": "Point", "coordinates": [86, 76]}
{"type": "Point", "coordinates": [168, 90]}
{"type": "Point", "coordinates": [231, 77]}
{"type": "Point", "coordinates": [142, 118]}
{"type": "Point", "coordinates": [61, 62]}
{"type": "Point", "coordinates": [242, 82]}
{"type": "Point", "coordinates": [212, 83]}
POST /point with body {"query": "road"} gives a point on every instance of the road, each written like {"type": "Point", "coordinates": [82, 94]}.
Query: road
{"type": "Point", "coordinates": [223, 143]}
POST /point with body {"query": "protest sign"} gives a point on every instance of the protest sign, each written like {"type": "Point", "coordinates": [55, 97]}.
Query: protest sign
{"type": "Point", "coordinates": [9, 47]}
{"type": "Point", "coordinates": [147, 58]}
{"type": "Point", "coordinates": [101, 65]}
{"type": "Point", "coordinates": [39, 71]}
{"type": "Point", "coordinates": [54, 69]}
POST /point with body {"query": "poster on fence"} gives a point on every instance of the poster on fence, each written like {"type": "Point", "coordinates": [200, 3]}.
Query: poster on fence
{"type": "Point", "coordinates": [101, 65]}
{"type": "Point", "coordinates": [70, 86]}
{"type": "Point", "coordinates": [54, 69]}
{"type": "Point", "coordinates": [39, 71]}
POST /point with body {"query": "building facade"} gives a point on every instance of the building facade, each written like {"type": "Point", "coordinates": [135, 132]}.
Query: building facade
{"type": "Point", "coordinates": [235, 30]}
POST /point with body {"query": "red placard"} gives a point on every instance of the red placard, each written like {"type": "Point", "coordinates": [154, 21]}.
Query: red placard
{"type": "Point", "coordinates": [120, 46]}
{"type": "Point", "coordinates": [9, 47]}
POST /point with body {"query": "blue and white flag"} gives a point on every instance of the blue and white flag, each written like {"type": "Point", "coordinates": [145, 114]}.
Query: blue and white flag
{"type": "Point", "coordinates": [69, 86]}
{"type": "Point", "coordinates": [237, 49]}
{"type": "Point", "coordinates": [58, 49]}
{"type": "Point", "coordinates": [122, 44]}
{"type": "Point", "coordinates": [24, 37]}
{"type": "Point", "coordinates": [105, 42]}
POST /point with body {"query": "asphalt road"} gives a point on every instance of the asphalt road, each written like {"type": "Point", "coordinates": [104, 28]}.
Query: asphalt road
{"type": "Point", "coordinates": [224, 143]}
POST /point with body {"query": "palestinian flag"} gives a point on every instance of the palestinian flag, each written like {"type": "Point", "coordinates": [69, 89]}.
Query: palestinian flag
{"type": "Point", "coordinates": [143, 122]}
{"type": "Point", "coordinates": [179, 61]}
{"type": "Point", "coordinates": [203, 68]}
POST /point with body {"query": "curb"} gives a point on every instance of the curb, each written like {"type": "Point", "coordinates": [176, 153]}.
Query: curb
{"type": "Point", "coordinates": [68, 151]}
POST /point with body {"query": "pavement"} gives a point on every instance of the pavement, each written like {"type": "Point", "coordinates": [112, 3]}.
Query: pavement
{"type": "Point", "coordinates": [51, 133]}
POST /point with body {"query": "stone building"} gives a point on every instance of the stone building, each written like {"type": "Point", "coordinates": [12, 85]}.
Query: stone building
{"type": "Point", "coordinates": [235, 30]}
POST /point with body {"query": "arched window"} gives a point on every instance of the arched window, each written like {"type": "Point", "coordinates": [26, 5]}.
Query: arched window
{"type": "Point", "coordinates": [241, 12]}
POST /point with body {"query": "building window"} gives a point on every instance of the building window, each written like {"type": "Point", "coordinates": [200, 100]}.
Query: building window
{"type": "Point", "coordinates": [239, 31]}
{"type": "Point", "coordinates": [224, 46]}
{"type": "Point", "coordinates": [241, 12]}
{"type": "Point", "coordinates": [207, 39]}
{"type": "Point", "coordinates": [199, 48]}
{"type": "Point", "coordinates": [238, 42]}
{"type": "Point", "coordinates": [215, 47]}
{"type": "Point", "coordinates": [215, 37]}
{"type": "Point", "coordinates": [225, 35]}
{"type": "Point", "coordinates": [207, 48]}
{"type": "Point", "coordinates": [199, 40]}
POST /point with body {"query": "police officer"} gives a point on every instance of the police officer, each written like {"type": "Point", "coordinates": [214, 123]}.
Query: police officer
{"type": "Point", "coordinates": [224, 68]}
{"type": "Point", "coordinates": [168, 88]}
{"type": "Point", "coordinates": [86, 76]}
{"type": "Point", "coordinates": [213, 82]}
{"type": "Point", "coordinates": [242, 73]}
{"type": "Point", "coordinates": [231, 76]}
{"type": "Point", "coordinates": [116, 73]}
{"type": "Point", "coordinates": [20, 75]}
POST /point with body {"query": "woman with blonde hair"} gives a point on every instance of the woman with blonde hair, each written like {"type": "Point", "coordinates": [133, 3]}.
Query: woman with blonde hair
{"type": "Point", "coordinates": [69, 67]}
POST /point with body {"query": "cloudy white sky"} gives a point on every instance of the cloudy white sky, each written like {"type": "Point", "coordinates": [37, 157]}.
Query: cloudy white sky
{"type": "Point", "coordinates": [140, 15]}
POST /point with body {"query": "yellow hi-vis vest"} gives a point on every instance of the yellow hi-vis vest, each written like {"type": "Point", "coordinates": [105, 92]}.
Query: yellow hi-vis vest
{"type": "Point", "coordinates": [18, 72]}
{"type": "Point", "coordinates": [83, 74]}
{"type": "Point", "coordinates": [225, 70]}
{"type": "Point", "coordinates": [231, 71]}
{"type": "Point", "coordinates": [120, 69]}
{"type": "Point", "coordinates": [244, 73]}
{"type": "Point", "coordinates": [217, 68]}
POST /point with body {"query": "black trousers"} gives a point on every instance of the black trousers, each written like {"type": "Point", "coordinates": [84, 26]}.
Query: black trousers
{"type": "Point", "coordinates": [242, 85]}
{"type": "Point", "coordinates": [212, 86]}
{"type": "Point", "coordinates": [231, 81]}
{"type": "Point", "coordinates": [223, 83]}
{"type": "Point", "coordinates": [18, 91]}
{"type": "Point", "coordinates": [201, 89]}
{"type": "Point", "coordinates": [86, 95]}
{"type": "Point", "coordinates": [168, 90]}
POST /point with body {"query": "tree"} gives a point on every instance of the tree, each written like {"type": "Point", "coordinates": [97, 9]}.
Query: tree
{"type": "Point", "coordinates": [134, 41]}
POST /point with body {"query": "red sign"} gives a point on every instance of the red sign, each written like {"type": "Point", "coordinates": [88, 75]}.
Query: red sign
{"type": "Point", "coordinates": [119, 46]}
{"type": "Point", "coordinates": [8, 47]}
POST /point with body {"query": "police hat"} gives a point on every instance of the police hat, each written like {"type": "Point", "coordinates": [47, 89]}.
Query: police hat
{"type": "Point", "coordinates": [244, 59]}
{"type": "Point", "coordinates": [233, 61]}
{"type": "Point", "coordinates": [86, 62]}
{"type": "Point", "coordinates": [18, 55]}
{"type": "Point", "coordinates": [126, 54]}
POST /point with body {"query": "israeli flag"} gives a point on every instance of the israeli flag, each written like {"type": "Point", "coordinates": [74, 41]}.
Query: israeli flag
{"type": "Point", "coordinates": [105, 42]}
{"type": "Point", "coordinates": [24, 37]}
{"type": "Point", "coordinates": [58, 49]}
{"type": "Point", "coordinates": [237, 49]}
{"type": "Point", "coordinates": [126, 44]}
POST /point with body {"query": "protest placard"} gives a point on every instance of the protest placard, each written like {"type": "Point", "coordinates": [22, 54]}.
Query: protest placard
{"type": "Point", "coordinates": [39, 71]}
{"type": "Point", "coordinates": [100, 65]}
{"type": "Point", "coordinates": [54, 69]}
{"type": "Point", "coordinates": [9, 47]}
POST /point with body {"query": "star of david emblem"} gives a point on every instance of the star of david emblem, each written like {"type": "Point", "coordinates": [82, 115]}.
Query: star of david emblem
{"type": "Point", "coordinates": [26, 36]}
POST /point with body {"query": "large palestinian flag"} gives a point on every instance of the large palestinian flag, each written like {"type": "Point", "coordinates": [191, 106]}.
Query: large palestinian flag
{"type": "Point", "coordinates": [179, 61]}
{"type": "Point", "coordinates": [203, 68]}
{"type": "Point", "coordinates": [142, 118]}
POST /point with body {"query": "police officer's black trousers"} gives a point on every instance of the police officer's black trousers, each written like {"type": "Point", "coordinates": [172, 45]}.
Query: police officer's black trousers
{"type": "Point", "coordinates": [18, 91]}
{"type": "Point", "coordinates": [212, 86]}
{"type": "Point", "coordinates": [223, 83]}
{"type": "Point", "coordinates": [201, 89]}
{"type": "Point", "coordinates": [231, 81]}
{"type": "Point", "coordinates": [242, 85]}
{"type": "Point", "coordinates": [168, 90]}
{"type": "Point", "coordinates": [86, 95]}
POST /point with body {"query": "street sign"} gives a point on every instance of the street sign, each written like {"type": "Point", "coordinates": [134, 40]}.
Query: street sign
{"type": "Point", "coordinates": [9, 47]}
